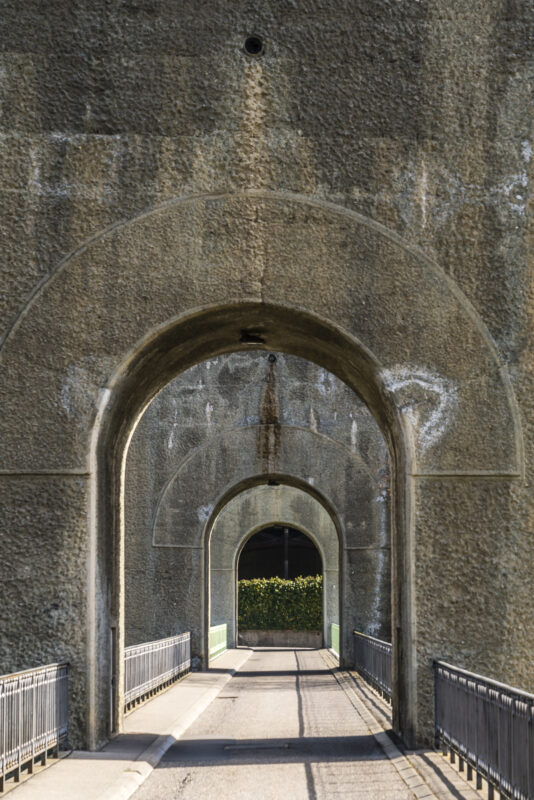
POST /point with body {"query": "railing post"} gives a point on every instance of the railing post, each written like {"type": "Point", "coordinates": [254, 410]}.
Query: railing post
{"type": "Point", "coordinates": [436, 701]}
{"type": "Point", "coordinates": [373, 661]}
{"type": "Point", "coordinates": [19, 732]}
{"type": "Point", "coordinates": [33, 724]}
{"type": "Point", "coordinates": [4, 718]}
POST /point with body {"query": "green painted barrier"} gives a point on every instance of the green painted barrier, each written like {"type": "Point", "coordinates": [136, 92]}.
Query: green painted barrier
{"type": "Point", "coordinates": [334, 637]}
{"type": "Point", "coordinates": [218, 640]}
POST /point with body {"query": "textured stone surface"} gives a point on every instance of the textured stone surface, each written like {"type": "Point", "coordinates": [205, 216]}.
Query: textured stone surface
{"type": "Point", "coordinates": [381, 292]}
{"type": "Point", "coordinates": [168, 589]}
{"type": "Point", "coordinates": [416, 116]}
{"type": "Point", "coordinates": [239, 455]}
{"type": "Point", "coordinates": [110, 108]}
{"type": "Point", "coordinates": [43, 577]}
{"type": "Point", "coordinates": [469, 564]}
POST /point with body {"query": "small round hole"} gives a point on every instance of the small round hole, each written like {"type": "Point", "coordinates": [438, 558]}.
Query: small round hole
{"type": "Point", "coordinates": [253, 46]}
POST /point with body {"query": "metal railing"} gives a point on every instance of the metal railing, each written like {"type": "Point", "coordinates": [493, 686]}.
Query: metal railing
{"type": "Point", "coordinates": [372, 659]}
{"type": "Point", "coordinates": [334, 637]}
{"type": "Point", "coordinates": [488, 725]}
{"type": "Point", "coordinates": [152, 665]}
{"type": "Point", "coordinates": [34, 708]}
{"type": "Point", "coordinates": [218, 640]}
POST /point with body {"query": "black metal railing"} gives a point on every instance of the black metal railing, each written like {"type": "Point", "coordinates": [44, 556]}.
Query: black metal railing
{"type": "Point", "coordinates": [150, 666]}
{"type": "Point", "coordinates": [34, 707]}
{"type": "Point", "coordinates": [488, 725]}
{"type": "Point", "coordinates": [372, 659]}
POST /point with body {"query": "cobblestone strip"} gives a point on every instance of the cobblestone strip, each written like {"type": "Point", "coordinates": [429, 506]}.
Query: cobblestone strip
{"type": "Point", "coordinates": [444, 781]}
{"type": "Point", "coordinates": [438, 772]}
{"type": "Point", "coordinates": [443, 778]}
{"type": "Point", "coordinates": [326, 712]}
{"type": "Point", "coordinates": [413, 779]}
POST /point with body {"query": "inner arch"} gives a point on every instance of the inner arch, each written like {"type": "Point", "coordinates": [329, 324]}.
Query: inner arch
{"type": "Point", "coordinates": [251, 511]}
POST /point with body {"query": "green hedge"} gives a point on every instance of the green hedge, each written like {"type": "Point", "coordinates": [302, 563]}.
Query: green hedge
{"type": "Point", "coordinates": [278, 604]}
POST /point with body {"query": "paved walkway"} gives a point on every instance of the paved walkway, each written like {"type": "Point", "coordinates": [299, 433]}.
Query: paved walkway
{"type": "Point", "coordinates": [287, 725]}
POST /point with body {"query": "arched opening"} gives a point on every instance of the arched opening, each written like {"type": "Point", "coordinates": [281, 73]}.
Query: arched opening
{"type": "Point", "coordinates": [247, 511]}
{"type": "Point", "coordinates": [280, 272]}
{"type": "Point", "coordinates": [198, 276]}
{"type": "Point", "coordinates": [202, 442]}
{"type": "Point", "coordinates": [289, 610]}
{"type": "Point", "coordinates": [320, 438]}
{"type": "Point", "coordinates": [117, 480]}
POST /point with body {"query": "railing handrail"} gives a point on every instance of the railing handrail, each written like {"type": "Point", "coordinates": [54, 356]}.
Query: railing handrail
{"type": "Point", "coordinates": [34, 670]}
{"type": "Point", "coordinates": [488, 724]}
{"type": "Point", "coordinates": [372, 638]}
{"type": "Point", "coordinates": [158, 642]}
{"type": "Point", "coordinates": [33, 716]}
{"type": "Point", "coordinates": [511, 690]}
{"type": "Point", "coordinates": [148, 666]}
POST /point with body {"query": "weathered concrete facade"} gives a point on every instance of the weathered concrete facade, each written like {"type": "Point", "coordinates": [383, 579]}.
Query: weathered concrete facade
{"type": "Point", "coordinates": [357, 196]}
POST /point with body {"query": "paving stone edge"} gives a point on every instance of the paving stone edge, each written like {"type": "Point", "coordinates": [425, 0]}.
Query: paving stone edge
{"type": "Point", "coordinates": [413, 779]}
{"type": "Point", "coordinates": [139, 770]}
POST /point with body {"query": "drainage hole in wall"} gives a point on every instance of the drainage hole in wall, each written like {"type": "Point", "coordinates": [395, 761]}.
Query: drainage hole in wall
{"type": "Point", "coordinates": [253, 46]}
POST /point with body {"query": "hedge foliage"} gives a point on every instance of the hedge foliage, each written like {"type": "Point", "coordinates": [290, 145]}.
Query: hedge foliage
{"type": "Point", "coordinates": [278, 604]}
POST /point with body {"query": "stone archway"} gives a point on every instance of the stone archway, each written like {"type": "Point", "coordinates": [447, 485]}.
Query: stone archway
{"type": "Point", "coordinates": [250, 511]}
{"type": "Point", "coordinates": [206, 434]}
{"type": "Point", "coordinates": [200, 276]}
{"type": "Point", "coordinates": [301, 453]}
{"type": "Point", "coordinates": [232, 461]}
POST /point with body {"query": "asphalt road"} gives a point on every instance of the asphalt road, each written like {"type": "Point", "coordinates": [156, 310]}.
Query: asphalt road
{"type": "Point", "coordinates": [281, 728]}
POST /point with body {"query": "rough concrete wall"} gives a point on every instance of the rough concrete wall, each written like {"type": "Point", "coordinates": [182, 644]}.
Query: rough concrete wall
{"type": "Point", "coordinates": [338, 451]}
{"type": "Point", "coordinates": [46, 550]}
{"type": "Point", "coordinates": [416, 114]}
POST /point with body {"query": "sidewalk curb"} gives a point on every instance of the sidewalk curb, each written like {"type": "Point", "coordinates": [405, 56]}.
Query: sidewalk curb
{"type": "Point", "coordinates": [413, 780]}
{"type": "Point", "coordinates": [138, 771]}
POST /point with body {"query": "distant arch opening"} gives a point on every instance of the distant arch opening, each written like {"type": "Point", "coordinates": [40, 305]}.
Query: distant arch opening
{"type": "Point", "coordinates": [258, 509]}
{"type": "Point", "coordinates": [280, 591]}
{"type": "Point", "coordinates": [237, 444]}
{"type": "Point", "coordinates": [279, 551]}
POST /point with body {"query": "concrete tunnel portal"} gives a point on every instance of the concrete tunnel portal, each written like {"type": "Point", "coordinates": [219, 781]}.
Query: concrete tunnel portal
{"type": "Point", "coordinates": [238, 443]}
{"type": "Point", "coordinates": [266, 266]}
